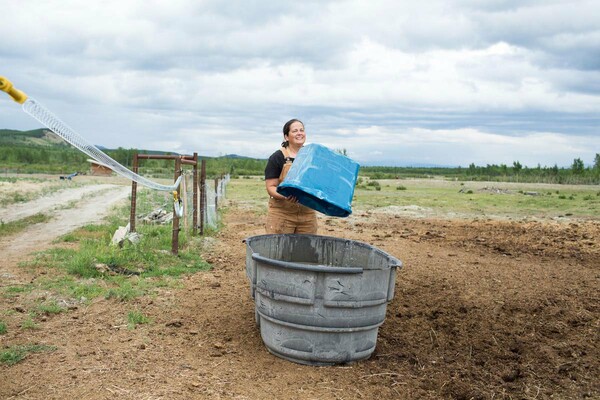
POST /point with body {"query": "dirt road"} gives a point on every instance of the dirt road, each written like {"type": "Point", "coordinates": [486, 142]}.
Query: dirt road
{"type": "Point", "coordinates": [69, 208]}
{"type": "Point", "coordinates": [484, 309]}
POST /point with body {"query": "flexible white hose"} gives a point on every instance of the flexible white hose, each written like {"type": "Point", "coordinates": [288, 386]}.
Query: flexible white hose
{"type": "Point", "coordinates": [43, 115]}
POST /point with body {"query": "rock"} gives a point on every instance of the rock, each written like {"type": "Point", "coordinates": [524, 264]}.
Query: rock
{"type": "Point", "coordinates": [119, 235]}
{"type": "Point", "coordinates": [134, 237]}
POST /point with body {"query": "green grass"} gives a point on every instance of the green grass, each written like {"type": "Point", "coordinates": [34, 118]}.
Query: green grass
{"type": "Point", "coordinates": [125, 291]}
{"type": "Point", "coordinates": [74, 288]}
{"type": "Point", "coordinates": [28, 323]}
{"type": "Point", "coordinates": [94, 267]}
{"type": "Point", "coordinates": [443, 197]}
{"type": "Point", "coordinates": [135, 318]}
{"type": "Point", "coordinates": [50, 307]}
{"type": "Point", "coordinates": [3, 328]}
{"type": "Point", "coordinates": [13, 227]}
{"type": "Point", "coordinates": [14, 291]}
{"type": "Point", "coordinates": [14, 354]}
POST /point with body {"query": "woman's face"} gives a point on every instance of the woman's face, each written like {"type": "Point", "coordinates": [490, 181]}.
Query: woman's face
{"type": "Point", "coordinates": [296, 136]}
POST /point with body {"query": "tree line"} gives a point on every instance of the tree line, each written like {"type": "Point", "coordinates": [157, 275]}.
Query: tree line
{"type": "Point", "coordinates": [19, 151]}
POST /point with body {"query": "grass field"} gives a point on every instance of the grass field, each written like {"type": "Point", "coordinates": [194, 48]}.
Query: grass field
{"type": "Point", "coordinates": [456, 199]}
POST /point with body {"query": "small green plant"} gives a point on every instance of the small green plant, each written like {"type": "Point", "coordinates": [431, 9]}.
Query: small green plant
{"type": "Point", "coordinates": [69, 238]}
{"type": "Point", "coordinates": [28, 323]}
{"type": "Point", "coordinates": [12, 227]}
{"type": "Point", "coordinates": [562, 196]}
{"type": "Point", "coordinates": [50, 308]}
{"type": "Point", "coordinates": [135, 318]}
{"type": "Point", "coordinates": [400, 187]}
{"type": "Point", "coordinates": [3, 328]}
{"type": "Point", "coordinates": [13, 291]}
{"type": "Point", "coordinates": [15, 354]}
{"type": "Point", "coordinates": [374, 184]}
{"type": "Point", "coordinates": [124, 292]}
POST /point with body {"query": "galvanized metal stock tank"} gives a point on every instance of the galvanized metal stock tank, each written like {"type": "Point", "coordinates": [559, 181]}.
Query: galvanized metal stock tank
{"type": "Point", "coordinates": [319, 300]}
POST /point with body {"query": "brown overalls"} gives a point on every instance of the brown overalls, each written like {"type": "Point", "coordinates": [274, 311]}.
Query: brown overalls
{"type": "Point", "coordinates": [286, 217]}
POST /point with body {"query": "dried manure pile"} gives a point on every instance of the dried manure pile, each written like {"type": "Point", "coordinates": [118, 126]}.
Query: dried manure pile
{"type": "Point", "coordinates": [483, 309]}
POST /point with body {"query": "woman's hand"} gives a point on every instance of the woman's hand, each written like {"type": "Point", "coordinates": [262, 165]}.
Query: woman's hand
{"type": "Point", "coordinates": [271, 185]}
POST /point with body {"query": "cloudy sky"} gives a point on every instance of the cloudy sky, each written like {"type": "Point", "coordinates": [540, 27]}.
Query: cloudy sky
{"type": "Point", "coordinates": [448, 82]}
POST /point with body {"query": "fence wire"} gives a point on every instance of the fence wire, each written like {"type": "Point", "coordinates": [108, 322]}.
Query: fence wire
{"type": "Point", "coordinates": [213, 201]}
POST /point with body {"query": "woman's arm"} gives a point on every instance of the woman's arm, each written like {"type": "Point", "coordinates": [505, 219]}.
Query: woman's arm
{"type": "Point", "coordinates": [271, 185]}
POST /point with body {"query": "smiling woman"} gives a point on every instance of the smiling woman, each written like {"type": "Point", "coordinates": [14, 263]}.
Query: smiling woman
{"type": "Point", "coordinates": [285, 214]}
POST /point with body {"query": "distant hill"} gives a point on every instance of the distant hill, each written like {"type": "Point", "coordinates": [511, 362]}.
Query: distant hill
{"type": "Point", "coordinates": [235, 156]}
{"type": "Point", "coordinates": [45, 138]}
{"type": "Point", "coordinates": [36, 137]}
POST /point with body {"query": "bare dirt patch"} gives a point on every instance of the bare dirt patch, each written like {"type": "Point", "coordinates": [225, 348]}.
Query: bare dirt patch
{"type": "Point", "coordinates": [483, 309]}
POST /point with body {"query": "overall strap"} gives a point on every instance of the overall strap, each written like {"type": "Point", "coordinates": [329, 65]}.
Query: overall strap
{"type": "Point", "coordinates": [286, 155]}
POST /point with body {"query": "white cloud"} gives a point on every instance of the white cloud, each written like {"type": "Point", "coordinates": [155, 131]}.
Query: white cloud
{"type": "Point", "coordinates": [453, 81]}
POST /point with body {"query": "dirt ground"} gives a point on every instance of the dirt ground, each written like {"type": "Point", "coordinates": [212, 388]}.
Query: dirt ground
{"type": "Point", "coordinates": [484, 309]}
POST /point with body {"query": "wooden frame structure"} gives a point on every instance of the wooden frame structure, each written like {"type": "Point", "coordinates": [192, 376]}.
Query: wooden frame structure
{"type": "Point", "coordinates": [179, 162]}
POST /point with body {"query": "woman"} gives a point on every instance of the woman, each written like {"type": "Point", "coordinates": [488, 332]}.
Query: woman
{"type": "Point", "coordinates": [285, 214]}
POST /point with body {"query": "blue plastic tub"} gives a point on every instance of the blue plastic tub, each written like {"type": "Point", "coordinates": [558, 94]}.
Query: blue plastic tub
{"type": "Point", "coordinates": [322, 180]}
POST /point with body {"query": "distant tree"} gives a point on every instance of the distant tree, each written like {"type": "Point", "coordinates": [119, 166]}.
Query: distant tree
{"type": "Point", "coordinates": [504, 169]}
{"type": "Point", "coordinates": [577, 167]}
{"type": "Point", "coordinates": [517, 167]}
{"type": "Point", "coordinates": [597, 162]}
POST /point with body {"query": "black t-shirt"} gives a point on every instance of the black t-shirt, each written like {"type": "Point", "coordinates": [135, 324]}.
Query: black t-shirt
{"type": "Point", "coordinates": [275, 165]}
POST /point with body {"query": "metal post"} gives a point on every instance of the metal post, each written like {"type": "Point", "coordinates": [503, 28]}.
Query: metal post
{"type": "Point", "coordinates": [175, 240]}
{"type": "Point", "coordinates": [216, 194]}
{"type": "Point", "coordinates": [195, 206]}
{"type": "Point", "coordinates": [202, 196]}
{"type": "Point", "coordinates": [133, 195]}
